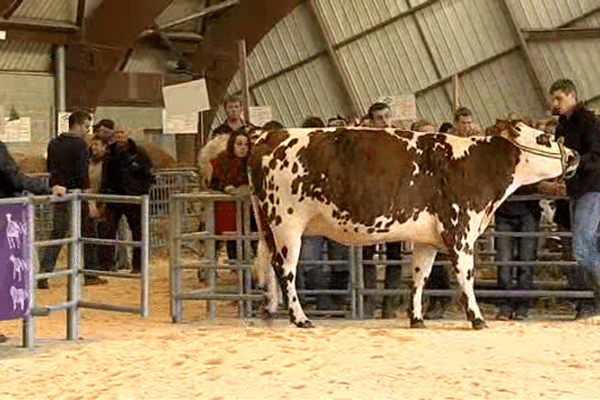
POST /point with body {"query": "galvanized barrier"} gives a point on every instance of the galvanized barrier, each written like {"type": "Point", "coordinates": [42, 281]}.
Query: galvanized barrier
{"type": "Point", "coordinates": [356, 291]}
{"type": "Point", "coordinates": [75, 242]}
{"type": "Point", "coordinates": [182, 233]}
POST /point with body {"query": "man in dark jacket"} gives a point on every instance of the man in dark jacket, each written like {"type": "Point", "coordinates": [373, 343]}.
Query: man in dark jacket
{"type": "Point", "coordinates": [581, 130]}
{"type": "Point", "coordinates": [127, 170]}
{"type": "Point", "coordinates": [67, 165]}
{"type": "Point", "coordinates": [13, 183]}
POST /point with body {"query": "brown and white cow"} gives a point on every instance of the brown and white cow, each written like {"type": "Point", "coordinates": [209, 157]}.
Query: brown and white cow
{"type": "Point", "coordinates": [363, 186]}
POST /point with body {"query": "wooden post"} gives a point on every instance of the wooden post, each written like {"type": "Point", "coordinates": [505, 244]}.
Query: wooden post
{"type": "Point", "coordinates": [244, 76]}
{"type": "Point", "coordinates": [455, 91]}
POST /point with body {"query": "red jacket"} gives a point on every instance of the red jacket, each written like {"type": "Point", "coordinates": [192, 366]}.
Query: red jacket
{"type": "Point", "coordinates": [227, 171]}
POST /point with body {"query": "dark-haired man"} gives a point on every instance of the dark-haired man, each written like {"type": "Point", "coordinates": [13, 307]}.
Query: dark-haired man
{"type": "Point", "coordinates": [581, 130]}
{"type": "Point", "coordinates": [67, 165]}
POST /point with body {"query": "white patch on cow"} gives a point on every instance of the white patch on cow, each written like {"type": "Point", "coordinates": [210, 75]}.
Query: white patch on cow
{"type": "Point", "coordinates": [417, 169]}
{"type": "Point", "coordinates": [460, 148]}
{"type": "Point", "coordinates": [456, 209]}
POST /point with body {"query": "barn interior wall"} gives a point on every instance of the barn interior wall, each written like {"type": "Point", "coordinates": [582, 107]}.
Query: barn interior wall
{"type": "Point", "coordinates": [32, 95]}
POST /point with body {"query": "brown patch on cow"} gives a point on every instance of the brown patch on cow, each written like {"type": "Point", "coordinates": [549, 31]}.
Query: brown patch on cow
{"type": "Point", "coordinates": [264, 146]}
{"type": "Point", "coordinates": [408, 135]}
{"type": "Point", "coordinates": [290, 210]}
{"type": "Point", "coordinates": [284, 251]}
{"type": "Point", "coordinates": [295, 168]}
{"type": "Point", "coordinates": [369, 174]}
{"type": "Point", "coordinates": [544, 140]}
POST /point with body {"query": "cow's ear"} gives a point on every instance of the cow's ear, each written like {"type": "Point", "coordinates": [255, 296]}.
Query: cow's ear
{"type": "Point", "coordinates": [504, 129]}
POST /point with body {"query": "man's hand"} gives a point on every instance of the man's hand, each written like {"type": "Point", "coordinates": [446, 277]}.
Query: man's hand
{"type": "Point", "coordinates": [552, 188]}
{"type": "Point", "coordinates": [93, 210]}
{"type": "Point", "coordinates": [58, 190]}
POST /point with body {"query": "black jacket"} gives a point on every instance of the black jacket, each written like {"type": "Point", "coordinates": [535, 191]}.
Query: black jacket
{"type": "Point", "coordinates": [127, 170]}
{"type": "Point", "coordinates": [12, 181]}
{"type": "Point", "coordinates": [581, 131]}
{"type": "Point", "coordinates": [67, 161]}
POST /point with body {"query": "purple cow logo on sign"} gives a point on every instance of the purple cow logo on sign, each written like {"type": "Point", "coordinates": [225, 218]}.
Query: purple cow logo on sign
{"type": "Point", "coordinates": [15, 278]}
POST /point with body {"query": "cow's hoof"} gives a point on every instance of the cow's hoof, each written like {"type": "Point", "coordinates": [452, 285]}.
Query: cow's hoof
{"type": "Point", "coordinates": [267, 315]}
{"type": "Point", "coordinates": [417, 324]}
{"type": "Point", "coordinates": [305, 324]}
{"type": "Point", "coordinates": [478, 324]}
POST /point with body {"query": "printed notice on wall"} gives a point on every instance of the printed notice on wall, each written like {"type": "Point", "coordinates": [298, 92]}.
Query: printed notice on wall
{"type": "Point", "coordinates": [260, 115]}
{"type": "Point", "coordinates": [63, 121]}
{"type": "Point", "coordinates": [174, 123]}
{"type": "Point", "coordinates": [404, 107]}
{"type": "Point", "coordinates": [18, 130]}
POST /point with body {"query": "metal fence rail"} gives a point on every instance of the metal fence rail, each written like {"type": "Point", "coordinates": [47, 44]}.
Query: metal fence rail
{"type": "Point", "coordinates": [356, 290]}
{"type": "Point", "coordinates": [75, 241]}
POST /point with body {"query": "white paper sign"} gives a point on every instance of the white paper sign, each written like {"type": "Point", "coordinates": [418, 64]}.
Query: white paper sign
{"type": "Point", "coordinates": [18, 130]}
{"type": "Point", "coordinates": [260, 115]}
{"type": "Point", "coordinates": [173, 123]}
{"type": "Point", "coordinates": [404, 108]}
{"type": "Point", "coordinates": [63, 121]}
{"type": "Point", "coordinates": [186, 98]}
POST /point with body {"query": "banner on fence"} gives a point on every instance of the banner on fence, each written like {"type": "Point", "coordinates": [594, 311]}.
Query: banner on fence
{"type": "Point", "coordinates": [15, 277]}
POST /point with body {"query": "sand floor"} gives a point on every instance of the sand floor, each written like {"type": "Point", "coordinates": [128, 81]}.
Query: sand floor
{"type": "Point", "coordinates": [124, 357]}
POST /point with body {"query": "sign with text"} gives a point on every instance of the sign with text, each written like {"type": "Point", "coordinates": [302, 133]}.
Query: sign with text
{"type": "Point", "coordinates": [63, 121]}
{"type": "Point", "coordinates": [18, 130]}
{"type": "Point", "coordinates": [186, 98]}
{"type": "Point", "coordinates": [173, 123]}
{"type": "Point", "coordinates": [15, 277]}
{"type": "Point", "coordinates": [404, 108]}
{"type": "Point", "coordinates": [260, 115]}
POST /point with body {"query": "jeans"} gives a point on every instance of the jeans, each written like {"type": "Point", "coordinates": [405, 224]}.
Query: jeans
{"type": "Point", "coordinates": [114, 211]}
{"type": "Point", "coordinates": [585, 212]}
{"type": "Point", "coordinates": [516, 249]}
{"type": "Point", "coordinates": [319, 277]}
{"type": "Point", "coordinates": [393, 278]}
{"type": "Point", "coordinates": [61, 221]}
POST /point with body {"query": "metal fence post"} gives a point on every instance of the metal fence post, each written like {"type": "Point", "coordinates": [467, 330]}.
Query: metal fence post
{"type": "Point", "coordinates": [29, 320]}
{"type": "Point", "coordinates": [75, 252]}
{"type": "Point", "coordinates": [212, 256]}
{"type": "Point", "coordinates": [175, 279]}
{"type": "Point", "coordinates": [145, 256]}
{"type": "Point", "coordinates": [353, 270]}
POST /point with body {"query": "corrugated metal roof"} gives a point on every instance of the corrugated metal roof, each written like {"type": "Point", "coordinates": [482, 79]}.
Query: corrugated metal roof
{"type": "Point", "coordinates": [55, 10]}
{"type": "Point", "coordinates": [292, 40]}
{"type": "Point", "coordinates": [495, 89]}
{"type": "Point", "coordinates": [549, 13]}
{"type": "Point", "coordinates": [433, 105]}
{"type": "Point", "coordinates": [391, 61]}
{"type": "Point", "coordinates": [575, 59]}
{"type": "Point", "coordinates": [25, 56]}
{"type": "Point", "coordinates": [348, 18]}
{"type": "Point", "coordinates": [592, 21]}
{"type": "Point", "coordinates": [461, 33]}
{"type": "Point", "coordinates": [180, 9]}
{"type": "Point", "coordinates": [146, 59]}
{"type": "Point", "coordinates": [305, 91]}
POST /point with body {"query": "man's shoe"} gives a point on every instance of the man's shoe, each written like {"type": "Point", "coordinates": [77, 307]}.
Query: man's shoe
{"type": "Point", "coordinates": [504, 314]}
{"type": "Point", "coordinates": [521, 314]}
{"type": "Point", "coordinates": [3, 339]}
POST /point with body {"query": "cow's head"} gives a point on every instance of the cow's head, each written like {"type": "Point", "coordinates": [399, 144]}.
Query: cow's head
{"type": "Point", "coordinates": [540, 150]}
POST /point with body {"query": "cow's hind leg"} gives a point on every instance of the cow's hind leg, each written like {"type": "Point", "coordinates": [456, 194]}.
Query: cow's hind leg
{"type": "Point", "coordinates": [465, 273]}
{"type": "Point", "coordinates": [422, 260]}
{"type": "Point", "coordinates": [285, 261]}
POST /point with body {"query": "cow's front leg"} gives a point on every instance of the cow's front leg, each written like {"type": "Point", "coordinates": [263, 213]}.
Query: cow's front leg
{"type": "Point", "coordinates": [422, 260]}
{"type": "Point", "coordinates": [465, 274]}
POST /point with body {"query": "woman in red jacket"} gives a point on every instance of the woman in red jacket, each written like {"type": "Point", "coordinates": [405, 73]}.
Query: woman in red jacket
{"type": "Point", "coordinates": [230, 175]}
